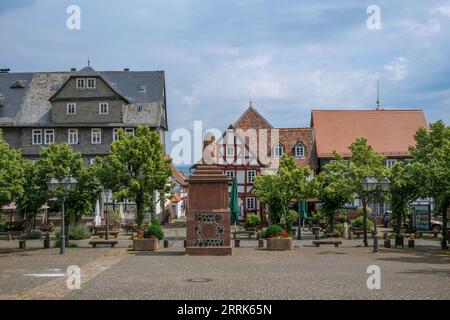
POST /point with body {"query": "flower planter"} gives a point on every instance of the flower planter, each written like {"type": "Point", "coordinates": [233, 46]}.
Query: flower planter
{"type": "Point", "coordinates": [145, 244]}
{"type": "Point", "coordinates": [279, 244]}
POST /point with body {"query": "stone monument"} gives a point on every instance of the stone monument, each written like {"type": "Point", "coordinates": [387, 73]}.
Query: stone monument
{"type": "Point", "coordinates": [208, 216]}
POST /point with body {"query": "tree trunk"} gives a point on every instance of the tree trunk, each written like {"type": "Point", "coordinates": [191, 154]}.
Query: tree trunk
{"type": "Point", "coordinates": [364, 201]}
{"type": "Point", "coordinates": [331, 214]}
{"type": "Point", "coordinates": [139, 214]}
{"type": "Point", "coordinates": [444, 227]}
{"type": "Point", "coordinates": [399, 222]}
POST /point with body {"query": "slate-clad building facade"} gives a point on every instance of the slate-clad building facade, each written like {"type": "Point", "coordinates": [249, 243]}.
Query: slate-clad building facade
{"type": "Point", "coordinates": [84, 108]}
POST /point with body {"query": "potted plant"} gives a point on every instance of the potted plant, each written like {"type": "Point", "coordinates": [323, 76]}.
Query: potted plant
{"type": "Point", "coordinates": [277, 238]}
{"type": "Point", "coordinates": [150, 240]}
{"type": "Point", "coordinates": [253, 220]}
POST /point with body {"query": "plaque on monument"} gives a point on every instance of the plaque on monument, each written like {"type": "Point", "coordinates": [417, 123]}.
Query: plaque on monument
{"type": "Point", "coordinates": [208, 216]}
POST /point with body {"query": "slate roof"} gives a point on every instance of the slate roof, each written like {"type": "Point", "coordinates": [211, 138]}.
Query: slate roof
{"type": "Point", "coordinates": [31, 105]}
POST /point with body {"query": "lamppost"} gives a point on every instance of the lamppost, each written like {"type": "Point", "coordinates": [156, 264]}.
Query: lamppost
{"type": "Point", "coordinates": [372, 186]}
{"type": "Point", "coordinates": [107, 193]}
{"type": "Point", "coordinates": [62, 188]}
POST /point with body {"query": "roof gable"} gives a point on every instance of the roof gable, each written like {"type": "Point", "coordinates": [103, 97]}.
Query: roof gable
{"type": "Point", "coordinates": [87, 72]}
{"type": "Point", "coordinates": [252, 119]}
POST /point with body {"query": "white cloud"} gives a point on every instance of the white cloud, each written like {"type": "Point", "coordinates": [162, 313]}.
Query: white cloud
{"type": "Point", "coordinates": [397, 68]}
{"type": "Point", "coordinates": [431, 27]}
{"type": "Point", "coordinates": [443, 9]}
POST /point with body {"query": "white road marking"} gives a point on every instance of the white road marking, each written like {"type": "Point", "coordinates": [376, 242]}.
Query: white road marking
{"type": "Point", "coordinates": [45, 275]}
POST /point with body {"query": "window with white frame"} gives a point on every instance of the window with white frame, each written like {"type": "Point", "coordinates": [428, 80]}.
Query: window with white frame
{"type": "Point", "coordinates": [96, 136]}
{"type": "Point", "coordinates": [72, 136]}
{"type": "Point", "coordinates": [37, 136]}
{"type": "Point", "coordinates": [230, 150]}
{"type": "Point", "coordinates": [129, 131]}
{"type": "Point", "coordinates": [90, 83]}
{"type": "Point", "coordinates": [250, 203]}
{"type": "Point", "coordinates": [49, 136]}
{"type": "Point", "coordinates": [103, 108]}
{"type": "Point", "coordinates": [390, 162]}
{"type": "Point", "coordinates": [71, 108]}
{"type": "Point", "coordinates": [278, 150]}
{"type": "Point", "coordinates": [81, 83]}
{"type": "Point", "coordinates": [299, 150]}
{"type": "Point", "coordinates": [230, 174]}
{"type": "Point", "coordinates": [251, 174]}
{"type": "Point", "coordinates": [115, 136]}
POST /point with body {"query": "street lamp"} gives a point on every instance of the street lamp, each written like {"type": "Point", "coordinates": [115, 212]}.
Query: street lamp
{"type": "Point", "coordinates": [61, 188]}
{"type": "Point", "coordinates": [372, 186]}
{"type": "Point", "coordinates": [107, 194]}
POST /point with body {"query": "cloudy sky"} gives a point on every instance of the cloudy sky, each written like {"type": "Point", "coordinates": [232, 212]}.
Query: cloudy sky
{"type": "Point", "coordinates": [287, 56]}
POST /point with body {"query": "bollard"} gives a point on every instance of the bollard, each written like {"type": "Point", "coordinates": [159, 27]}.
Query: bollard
{"type": "Point", "coordinates": [47, 240]}
{"type": "Point", "coordinates": [185, 243]}
{"type": "Point", "coordinates": [387, 243]}
{"type": "Point", "coordinates": [261, 243]}
{"type": "Point", "coordinates": [166, 243]}
{"type": "Point", "coordinates": [237, 243]}
{"type": "Point", "coordinates": [22, 244]}
{"type": "Point", "coordinates": [411, 243]}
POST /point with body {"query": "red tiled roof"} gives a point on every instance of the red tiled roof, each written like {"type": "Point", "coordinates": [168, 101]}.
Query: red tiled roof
{"type": "Point", "coordinates": [390, 132]}
{"type": "Point", "coordinates": [178, 175]}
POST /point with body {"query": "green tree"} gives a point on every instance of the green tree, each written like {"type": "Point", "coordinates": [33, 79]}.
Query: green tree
{"type": "Point", "coordinates": [364, 162]}
{"type": "Point", "coordinates": [280, 191]}
{"type": "Point", "coordinates": [58, 161]}
{"type": "Point", "coordinates": [12, 176]}
{"type": "Point", "coordinates": [403, 190]}
{"type": "Point", "coordinates": [136, 169]}
{"type": "Point", "coordinates": [82, 199]}
{"type": "Point", "coordinates": [431, 157]}
{"type": "Point", "coordinates": [35, 194]}
{"type": "Point", "coordinates": [335, 187]}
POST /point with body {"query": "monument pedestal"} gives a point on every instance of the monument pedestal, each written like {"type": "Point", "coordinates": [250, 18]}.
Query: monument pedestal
{"type": "Point", "coordinates": [208, 217]}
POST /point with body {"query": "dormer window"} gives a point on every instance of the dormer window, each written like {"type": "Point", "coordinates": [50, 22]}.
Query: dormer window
{"type": "Point", "coordinates": [81, 83]}
{"type": "Point", "coordinates": [90, 83]}
{"type": "Point", "coordinates": [103, 108]}
{"type": "Point", "coordinates": [278, 150]}
{"type": "Point", "coordinates": [142, 89]}
{"type": "Point", "coordinates": [299, 150]}
{"type": "Point", "coordinates": [71, 108]}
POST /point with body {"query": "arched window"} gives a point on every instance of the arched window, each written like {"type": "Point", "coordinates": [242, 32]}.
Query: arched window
{"type": "Point", "coordinates": [299, 150]}
{"type": "Point", "coordinates": [278, 150]}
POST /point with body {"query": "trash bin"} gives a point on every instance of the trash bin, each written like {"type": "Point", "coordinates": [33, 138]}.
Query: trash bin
{"type": "Point", "coordinates": [47, 240]}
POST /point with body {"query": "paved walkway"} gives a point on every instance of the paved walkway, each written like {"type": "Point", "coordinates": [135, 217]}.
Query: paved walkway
{"type": "Point", "coordinates": [305, 272]}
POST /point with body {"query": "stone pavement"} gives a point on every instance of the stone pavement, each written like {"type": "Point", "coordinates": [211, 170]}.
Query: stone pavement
{"type": "Point", "coordinates": [303, 273]}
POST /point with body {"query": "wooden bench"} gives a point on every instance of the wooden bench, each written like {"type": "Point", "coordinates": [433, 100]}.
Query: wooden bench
{"type": "Point", "coordinates": [336, 243]}
{"type": "Point", "coordinates": [101, 234]}
{"type": "Point", "coordinates": [421, 233]}
{"type": "Point", "coordinates": [360, 232]}
{"type": "Point", "coordinates": [94, 243]}
{"type": "Point", "coordinates": [249, 233]}
{"type": "Point", "coordinates": [11, 235]}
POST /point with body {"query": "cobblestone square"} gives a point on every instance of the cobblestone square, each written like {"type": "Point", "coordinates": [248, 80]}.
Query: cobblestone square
{"type": "Point", "coordinates": [305, 272]}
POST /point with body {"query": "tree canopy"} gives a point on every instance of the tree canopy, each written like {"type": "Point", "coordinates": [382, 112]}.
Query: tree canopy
{"type": "Point", "coordinates": [279, 191]}
{"type": "Point", "coordinates": [431, 159]}
{"type": "Point", "coordinates": [335, 187]}
{"type": "Point", "coordinates": [12, 175]}
{"type": "Point", "coordinates": [136, 169]}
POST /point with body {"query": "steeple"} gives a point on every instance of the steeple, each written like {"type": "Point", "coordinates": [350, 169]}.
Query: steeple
{"type": "Point", "coordinates": [378, 95]}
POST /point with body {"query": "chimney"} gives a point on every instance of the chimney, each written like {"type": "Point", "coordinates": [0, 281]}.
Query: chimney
{"type": "Point", "coordinates": [73, 69]}
{"type": "Point", "coordinates": [4, 70]}
{"type": "Point", "coordinates": [126, 69]}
